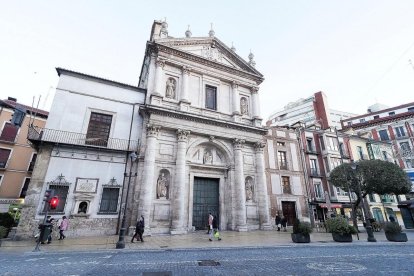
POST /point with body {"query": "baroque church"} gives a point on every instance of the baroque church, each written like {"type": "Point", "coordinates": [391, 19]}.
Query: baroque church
{"type": "Point", "coordinates": [202, 147]}
{"type": "Point", "coordinates": [194, 123]}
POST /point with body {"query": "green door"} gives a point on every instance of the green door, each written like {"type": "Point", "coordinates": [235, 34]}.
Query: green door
{"type": "Point", "coordinates": [205, 200]}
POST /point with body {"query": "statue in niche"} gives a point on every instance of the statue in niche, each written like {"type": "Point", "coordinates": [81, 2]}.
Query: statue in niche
{"type": "Point", "coordinates": [244, 107]}
{"type": "Point", "coordinates": [162, 186]}
{"type": "Point", "coordinates": [249, 189]}
{"type": "Point", "coordinates": [208, 157]}
{"type": "Point", "coordinates": [170, 90]}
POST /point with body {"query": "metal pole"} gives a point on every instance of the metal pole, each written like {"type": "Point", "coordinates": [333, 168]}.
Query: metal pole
{"type": "Point", "coordinates": [121, 241]}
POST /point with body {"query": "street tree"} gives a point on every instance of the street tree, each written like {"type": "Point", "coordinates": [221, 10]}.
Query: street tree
{"type": "Point", "coordinates": [370, 176]}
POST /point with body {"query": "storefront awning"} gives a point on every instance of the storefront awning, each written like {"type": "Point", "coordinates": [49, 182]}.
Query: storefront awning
{"type": "Point", "coordinates": [333, 205]}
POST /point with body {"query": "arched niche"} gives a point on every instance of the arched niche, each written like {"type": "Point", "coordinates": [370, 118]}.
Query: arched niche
{"type": "Point", "coordinates": [163, 184]}
{"type": "Point", "coordinates": [249, 188]}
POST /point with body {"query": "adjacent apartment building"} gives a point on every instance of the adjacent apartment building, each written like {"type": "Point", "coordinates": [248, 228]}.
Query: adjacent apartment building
{"type": "Point", "coordinates": [17, 157]}
{"type": "Point", "coordinates": [288, 194]}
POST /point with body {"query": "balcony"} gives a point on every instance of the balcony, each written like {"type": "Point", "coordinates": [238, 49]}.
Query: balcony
{"type": "Point", "coordinates": [311, 150]}
{"type": "Point", "coordinates": [43, 135]}
{"type": "Point", "coordinates": [314, 173]}
{"type": "Point", "coordinates": [344, 154]}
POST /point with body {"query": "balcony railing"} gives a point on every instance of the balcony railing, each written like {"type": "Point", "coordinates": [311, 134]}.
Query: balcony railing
{"type": "Point", "coordinates": [314, 173]}
{"type": "Point", "coordinates": [79, 139]}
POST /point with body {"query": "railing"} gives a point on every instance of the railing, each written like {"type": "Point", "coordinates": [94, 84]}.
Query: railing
{"type": "Point", "coordinates": [79, 139]}
{"type": "Point", "coordinates": [314, 172]}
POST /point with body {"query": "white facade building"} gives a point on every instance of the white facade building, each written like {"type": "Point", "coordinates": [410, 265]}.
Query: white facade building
{"type": "Point", "coordinates": [202, 148]}
{"type": "Point", "coordinates": [83, 152]}
{"type": "Point", "coordinates": [312, 110]}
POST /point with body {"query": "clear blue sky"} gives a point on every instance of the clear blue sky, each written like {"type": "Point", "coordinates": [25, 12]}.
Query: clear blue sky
{"type": "Point", "coordinates": [355, 51]}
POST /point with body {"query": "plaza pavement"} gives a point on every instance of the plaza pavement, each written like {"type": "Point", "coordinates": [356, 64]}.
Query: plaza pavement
{"type": "Point", "coordinates": [198, 239]}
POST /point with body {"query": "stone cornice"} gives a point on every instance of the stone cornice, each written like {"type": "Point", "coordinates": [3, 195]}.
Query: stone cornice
{"type": "Point", "coordinates": [212, 64]}
{"type": "Point", "coordinates": [151, 109]}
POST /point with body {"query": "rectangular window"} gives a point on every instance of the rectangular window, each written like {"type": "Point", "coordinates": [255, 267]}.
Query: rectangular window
{"type": "Point", "coordinates": [25, 187]}
{"type": "Point", "coordinates": [109, 202]}
{"type": "Point", "coordinates": [411, 109]}
{"type": "Point", "coordinates": [282, 160]}
{"type": "Point", "coordinates": [361, 120]}
{"type": "Point", "coordinates": [371, 197]}
{"type": "Point", "coordinates": [309, 144]}
{"type": "Point", "coordinates": [286, 185]}
{"type": "Point", "coordinates": [335, 162]}
{"type": "Point", "coordinates": [360, 152]}
{"type": "Point", "coordinates": [211, 97]}
{"type": "Point", "coordinates": [4, 157]}
{"type": "Point", "coordinates": [9, 133]}
{"type": "Point", "coordinates": [391, 113]}
{"type": "Point", "coordinates": [32, 162]}
{"type": "Point", "coordinates": [383, 135]}
{"type": "Point", "coordinates": [385, 156]}
{"type": "Point", "coordinates": [326, 164]}
{"type": "Point", "coordinates": [282, 144]}
{"type": "Point", "coordinates": [376, 117]}
{"type": "Point", "coordinates": [400, 131]}
{"type": "Point", "coordinates": [313, 167]}
{"type": "Point", "coordinates": [61, 191]}
{"type": "Point", "coordinates": [322, 143]}
{"type": "Point", "coordinates": [405, 146]}
{"type": "Point", "coordinates": [98, 129]}
{"type": "Point", "coordinates": [318, 190]}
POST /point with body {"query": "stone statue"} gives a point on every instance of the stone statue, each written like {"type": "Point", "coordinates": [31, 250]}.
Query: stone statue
{"type": "Point", "coordinates": [170, 90]}
{"type": "Point", "coordinates": [208, 157]}
{"type": "Point", "coordinates": [244, 107]}
{"type": "Point", "coordinates": [162, 186]}
{"type": "Point", "coordinates": [249, 189]}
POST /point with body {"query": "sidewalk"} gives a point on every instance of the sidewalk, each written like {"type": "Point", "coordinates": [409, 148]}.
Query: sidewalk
{"type": "Point", "coordinates": [198, 239]}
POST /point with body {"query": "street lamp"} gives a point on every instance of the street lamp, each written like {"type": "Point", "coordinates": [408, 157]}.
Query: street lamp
{"type": "Point", "coordinates": [121, 241]}
{"type": "Point", "coordinates": [368, 226]}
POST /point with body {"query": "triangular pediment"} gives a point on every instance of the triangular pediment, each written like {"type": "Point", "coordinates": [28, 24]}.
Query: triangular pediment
{"type": "Point", "coordinates": [211, 49]}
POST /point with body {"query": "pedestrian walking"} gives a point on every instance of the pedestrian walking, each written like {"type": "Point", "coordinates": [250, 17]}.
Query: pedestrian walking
{"type": "Point", "coordinates": [214, 233]}
{"type": "Point", "coordinates": [210, 223]}
{"type": "Point", "coordinates": [139, 230]}
{"type": "Point", "coordinates": [277, 222]}
{"type": "Point", "coordinates": [63, 226]}
{"type": "Point", "coordinates": [49, 220]}
{"type": "Point", "coordinates": [283, 222]}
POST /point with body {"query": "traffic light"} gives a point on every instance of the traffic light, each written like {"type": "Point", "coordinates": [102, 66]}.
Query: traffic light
{"type": "Point", "coordinates": [18, 117]}
{"type": "Point", "coordinates": [48, 195]}
{"type": "Point", "coordinates": [54, 202]}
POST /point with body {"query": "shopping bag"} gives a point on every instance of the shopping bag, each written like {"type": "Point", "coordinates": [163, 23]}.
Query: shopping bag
{"type": "Point", "coordinates": [216, 234]}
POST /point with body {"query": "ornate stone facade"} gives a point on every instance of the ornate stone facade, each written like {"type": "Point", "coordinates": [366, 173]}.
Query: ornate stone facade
{"type": "Point", "coordinates": [200, 141]}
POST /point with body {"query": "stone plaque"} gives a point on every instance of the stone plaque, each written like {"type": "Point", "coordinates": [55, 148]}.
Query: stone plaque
{"type": "Point", "coordinates": [86, 185]}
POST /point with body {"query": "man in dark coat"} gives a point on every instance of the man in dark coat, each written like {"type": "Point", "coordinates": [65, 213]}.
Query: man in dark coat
{"type": "Point", "coordinates": [139, 230]}
{"type": "Point", "coordinates": [277, 222]}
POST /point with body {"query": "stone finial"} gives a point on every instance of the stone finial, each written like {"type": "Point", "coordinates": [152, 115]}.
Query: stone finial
{"type": "Point", "coordinates": [211, 33]}
{"type": "Point", "coordinates": [188, 32]}
{"type": "Point", "coordinates": [164, 29]}
{"type": "Point", "coordinates": [251, 61]}
{"type": "Point", "coordinates": [232, 47]}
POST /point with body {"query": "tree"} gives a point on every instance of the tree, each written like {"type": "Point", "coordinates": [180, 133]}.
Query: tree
{"type": "Point", "coordinates": [370, 176]}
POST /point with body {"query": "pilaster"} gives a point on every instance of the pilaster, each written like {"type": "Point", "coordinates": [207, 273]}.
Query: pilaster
{"type": "Point", "coordinates": [239, 187]}
{"type": "Point", "coordinates": [264, 216]}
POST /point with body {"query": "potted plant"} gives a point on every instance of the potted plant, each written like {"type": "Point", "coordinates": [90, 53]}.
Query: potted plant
{"type": "Point", "coordinates": [393, 232]}
{"type": "Point", "coordinates": [340, 229]}
{"type": "Point", "coordinates": [301, 231]}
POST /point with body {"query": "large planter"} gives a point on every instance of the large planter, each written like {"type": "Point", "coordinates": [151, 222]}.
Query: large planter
{"type": "Point", "coordinates": [338, 237]}
{"type": "Point", "coordinates": [300, 238]}
{"type": "Point", "coordinates": [396, 237]}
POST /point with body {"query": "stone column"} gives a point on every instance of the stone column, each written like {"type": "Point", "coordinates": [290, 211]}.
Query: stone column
{"type": "Point", "coordinates": [159, 64]}
{"type": "Point", "coordinates": [255, 102]}
{"type": "Point", "coordinates": [240, 193]}
{"type": "Point", "coordinates": [236, 98]}
{"type": "Point", "coordinates": [180, 193]}
{"type": "Point", "coordinates": [264, 217]}
{"type": "Point", "coordinates": [184, 91]}
{"type": "Point", "coordinates": [147, 185]}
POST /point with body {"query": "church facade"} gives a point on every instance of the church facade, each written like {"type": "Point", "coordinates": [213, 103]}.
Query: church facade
{"type": "Point", "coordinates": [202, 145]}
